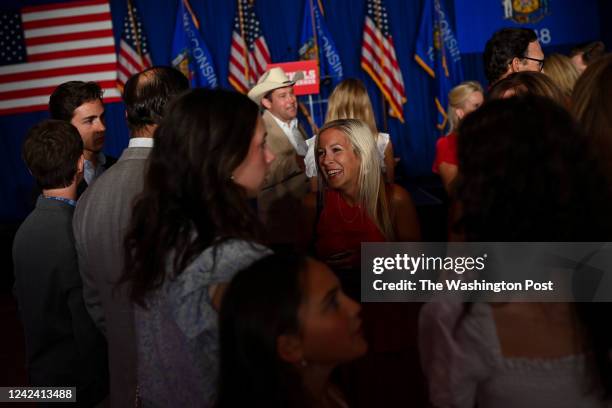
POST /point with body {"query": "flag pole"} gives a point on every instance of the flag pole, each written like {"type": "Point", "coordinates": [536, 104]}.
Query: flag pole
{"type": "Point", "coordinates": [193, 16]}
{"type": "Point", "coordinates": [381, 46]}
{"type": "Point", "coordinates": [309, 118]}
{"type": "Point", "coordinates": [316, 49]}
{"type": "Point", "coordinates": [134, 29]}
{"type": "Point", "coordinates": [311, 106]}
{"type": "Point", "coordinates": [245, 51]}
{"type": "Point", "coordinates": [314, 34]}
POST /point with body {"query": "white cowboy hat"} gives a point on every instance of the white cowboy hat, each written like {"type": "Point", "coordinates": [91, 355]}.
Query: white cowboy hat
{"type": "Point", "coordinates": [273, 79]}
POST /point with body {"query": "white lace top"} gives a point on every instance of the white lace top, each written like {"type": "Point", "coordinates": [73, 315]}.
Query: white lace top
{"type": "Point", "coordinates": [461, 357]}
{"type": "Point", "coordinates": [310, 160]}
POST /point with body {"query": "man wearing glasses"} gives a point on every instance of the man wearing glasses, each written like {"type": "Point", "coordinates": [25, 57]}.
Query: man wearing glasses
{"type": "Point", "coordinates": [512, 50]}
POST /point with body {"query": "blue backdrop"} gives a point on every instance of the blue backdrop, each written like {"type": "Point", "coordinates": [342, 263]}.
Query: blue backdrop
{"type": "Point", "coordinates": [414, 141]}
{"type": "Point", "coordinates": [564, 22]}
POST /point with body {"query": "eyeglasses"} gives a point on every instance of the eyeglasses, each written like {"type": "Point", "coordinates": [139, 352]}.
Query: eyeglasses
{"type": "Point", "coordinates": [539, 61]}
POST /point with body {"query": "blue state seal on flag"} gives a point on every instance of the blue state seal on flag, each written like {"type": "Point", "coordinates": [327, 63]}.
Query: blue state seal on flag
{"type": "Point", "coordinates": [525, 11]}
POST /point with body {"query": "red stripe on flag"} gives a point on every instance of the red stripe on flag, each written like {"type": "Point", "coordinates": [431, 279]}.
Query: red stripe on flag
{"type": "Point", "coordinates": [37, 81]}
{"type": "Point", "coordinates": [24, 109]}
{"type": "Point", "coordinates": [37, 108]}
{"type": "Point", "coordinates": [136, 64]}
{"type": "Point", "coordinates": [110, 99]}
{"type": "Point", "coordinates": [380, 55]}
{"type": "Point", "coordinates": [49, 39]}
{"type": "Point", "coordinates": [389, 52]}
{"type": "Point", "coordinates": [24, 76]}
{"type": "Point", "coordinates": [260, 43]}
{"type": "Point", "coordinates": [124, 70]}
{"type": "Point", "coordinates": [54, 55]}
{"type": "Point", "coordinates": [236, 63]}
{"type": "Point", "coordinates": [238, 47]}
{"type": "Point", "coordinates": [388, 93]}
{"type": "Point", "coordinates": [48, 90]}
{"type": "Point", "coordinates": [53, 22]}
{"type": "Point", "coordinates": [60, 6]}
{"type": "Point", "coordinates": [237, 84]}
{"type": "Point", "coordinates": [252, 67]}
{"type": "Point", "coordinates": [385, 67]}
{"type": "Point", "coordinates": [255, 64]}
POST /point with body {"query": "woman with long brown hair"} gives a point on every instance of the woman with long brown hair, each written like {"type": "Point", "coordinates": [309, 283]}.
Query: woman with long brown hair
{"type": "Point", "coordinates": [192, 229]}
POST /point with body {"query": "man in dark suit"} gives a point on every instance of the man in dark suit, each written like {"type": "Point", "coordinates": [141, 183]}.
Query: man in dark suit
{"type": "Point", "coordinates": [102, 217]}
{"type": "Point", "coordinates": [80, 103]}
{"type": "Point", "coordinates": [63, 346]}
{"type": "Point", "coordinates": [286, 184]}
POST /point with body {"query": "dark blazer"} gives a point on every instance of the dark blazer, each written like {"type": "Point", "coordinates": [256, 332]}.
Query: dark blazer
{"type": "Point", "coordinates": [63, 346]}
{"type": "Point", "coordinates": [100, 220]}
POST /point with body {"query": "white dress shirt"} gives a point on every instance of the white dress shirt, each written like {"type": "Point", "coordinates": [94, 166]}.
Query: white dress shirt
{"type": "Point", "coordinates": [141, 142]}
{"type": "Point", "coordinates": [293, 134]}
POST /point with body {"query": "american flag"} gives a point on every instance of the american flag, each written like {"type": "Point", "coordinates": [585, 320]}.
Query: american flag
{"type": "Point", "coordinates": [249, 54]}
{"type": "Point", "coordinates": [378, 58]}
{"type": "Point", "coordinates": [44, 46]}
{"type": "Point", "coordinates": [134, 54]}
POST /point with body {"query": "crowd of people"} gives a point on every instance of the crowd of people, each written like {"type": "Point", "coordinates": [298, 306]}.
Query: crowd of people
{"type": "Point", "coordinates": [216, 263]}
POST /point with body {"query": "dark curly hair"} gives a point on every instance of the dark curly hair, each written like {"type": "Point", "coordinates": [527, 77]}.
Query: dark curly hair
{"type": "Point", "coordinates": [526, 173]}
{"type": "Point", "coordinates": [189, 201]}
{"type": "Point", "coordinates": [505, 45]}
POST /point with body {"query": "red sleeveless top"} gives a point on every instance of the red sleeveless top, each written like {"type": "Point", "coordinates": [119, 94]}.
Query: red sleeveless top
{"type": "Point", "coordinates": [342, 227]}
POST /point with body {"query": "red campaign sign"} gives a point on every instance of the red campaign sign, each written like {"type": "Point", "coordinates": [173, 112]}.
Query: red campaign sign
{"type": "Point", "coordinates": [310, 83]}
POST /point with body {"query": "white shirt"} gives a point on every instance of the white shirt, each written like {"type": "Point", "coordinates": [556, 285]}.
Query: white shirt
{"type": "Point", "coordinates": [293, 134]}
{"type": "Point", "coordinates": [141, 142]}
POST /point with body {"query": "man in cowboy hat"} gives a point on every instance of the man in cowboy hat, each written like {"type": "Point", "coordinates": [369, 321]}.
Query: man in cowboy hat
{"type": "Point", "coordinates": [286, 185]}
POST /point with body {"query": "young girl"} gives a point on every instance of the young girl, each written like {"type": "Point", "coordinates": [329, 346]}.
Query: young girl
{"type": "Point", "coordinates": [285, 324]}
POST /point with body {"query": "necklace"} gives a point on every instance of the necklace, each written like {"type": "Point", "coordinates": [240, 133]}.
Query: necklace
{"type": "Point", "coordinates": [356, 207]}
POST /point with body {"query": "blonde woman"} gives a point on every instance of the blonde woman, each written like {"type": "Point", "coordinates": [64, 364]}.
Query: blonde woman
{"type": "Point", "coordinates": [350, 100]}
{"type": "Point", "coordinates": [563, 73]}
{"type": "Point", "coordinates": [354, 205]}
{"type": "Point", "coordinates": [462, 99]}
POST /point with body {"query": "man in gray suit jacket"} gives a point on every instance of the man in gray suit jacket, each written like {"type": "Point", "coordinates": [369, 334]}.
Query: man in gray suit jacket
{"type": "Point", "coordinates": [102, 217]}
{"type": "Point", "coordinates": [286, 185]}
